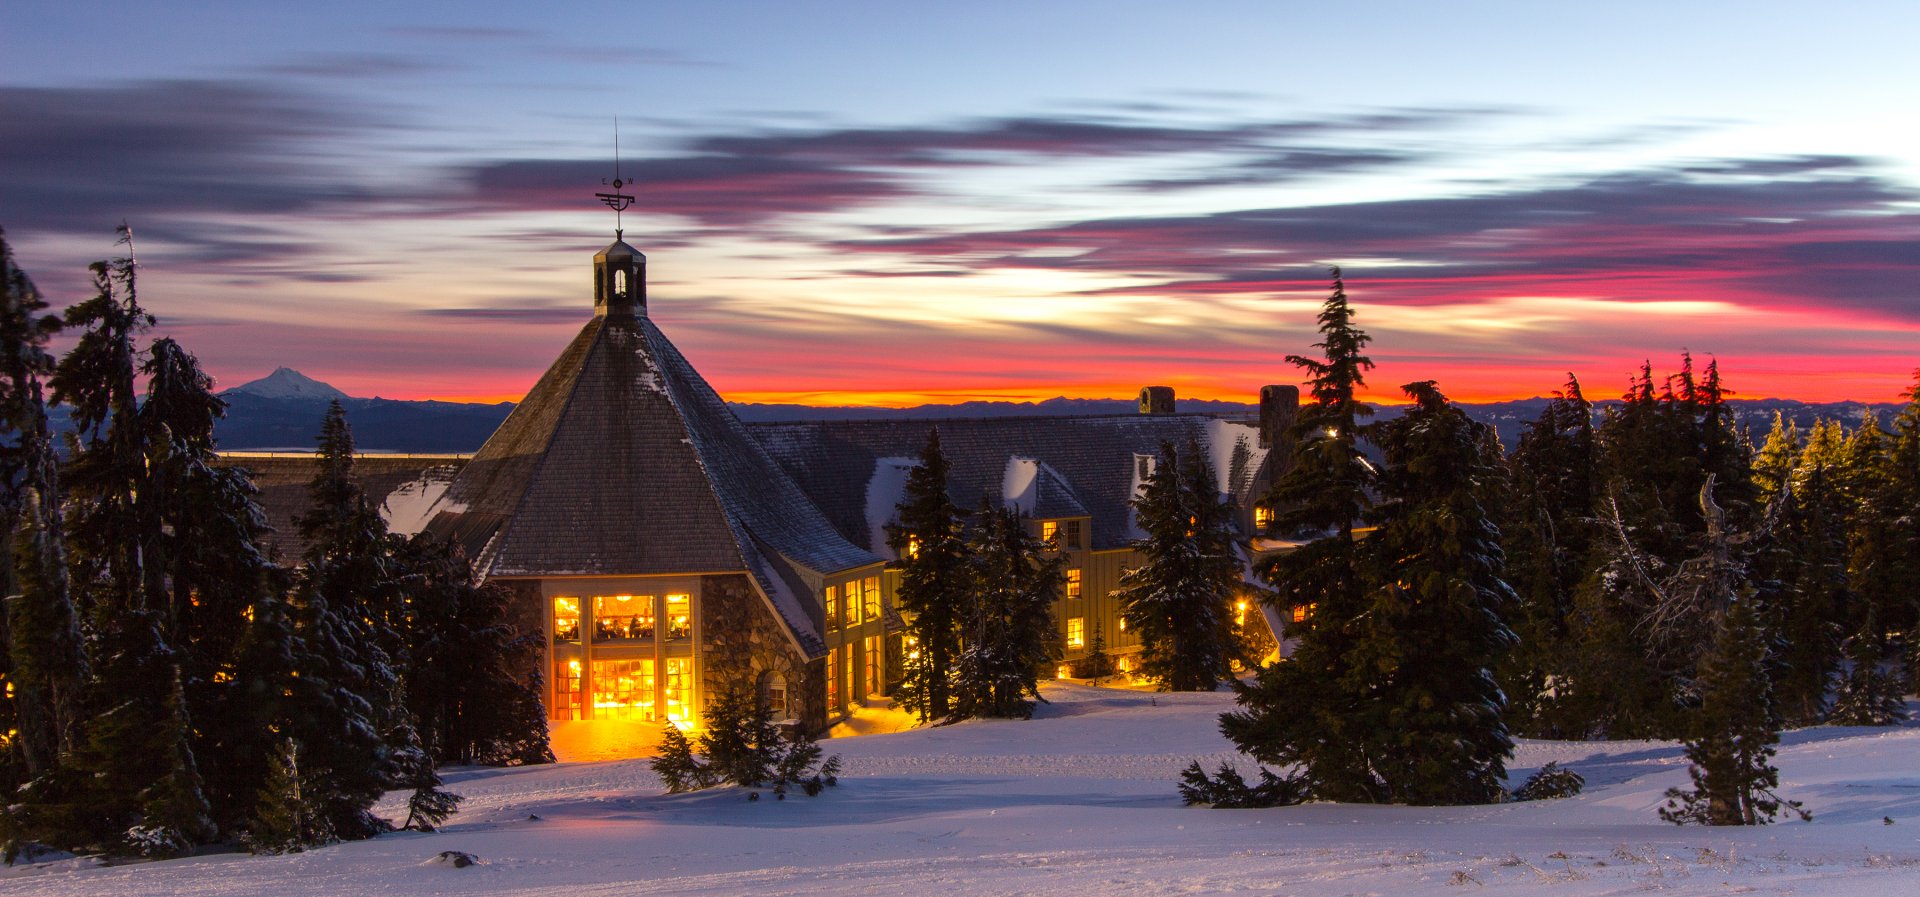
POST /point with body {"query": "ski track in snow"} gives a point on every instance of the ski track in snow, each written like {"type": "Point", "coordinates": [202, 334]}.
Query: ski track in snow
{"type": "Point", "coordinates": [1081, 801]}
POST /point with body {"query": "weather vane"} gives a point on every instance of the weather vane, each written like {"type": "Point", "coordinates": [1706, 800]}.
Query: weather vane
{"type": "Point", "coordinates": [617, 201]}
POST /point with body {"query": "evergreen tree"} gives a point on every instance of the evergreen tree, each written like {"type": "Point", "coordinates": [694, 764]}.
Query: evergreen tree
{"type": "Point", "coordinates": [1180, 601]}
{"type": "Point", "coordinates": [280, 820]}
{"type": "Point", "coordinates": [345, 712]}
{"type": "Point", "coordinates": [464, 688]}
{"type": "Point", "coordinates": [1871, 694]}
{"type": "Point", "coordinates": [1549, 535]}
{"type": "Point", "coordinates": [1774, 464]}
{"type": "Point", "coordinates": [430, 804]}
{"type": "Point", "coordinates": [1434, 626]}
{"type": "Point", "coordinates": [1097, 665]}
{"type": "Point", "coordinates": [1007, 624]}
{"type": "Point", "coordinates": [1808, 561]}
{"type": "Point", "coordinates": [935, 575]}
{"type": "Point", "coordinates": [1299, 711]}
{"type": "Point", "coordinates": [743, 747]}
{"type": "Point", "coordinates": [1731, 751]}
{"type": "Point", "coordinates": [44, 664]}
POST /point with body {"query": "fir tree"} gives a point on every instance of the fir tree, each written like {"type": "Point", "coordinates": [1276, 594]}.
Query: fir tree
{"type": "Point", "coordinates": [743, 747]}
{"type": "Point", "coordinates": [430, 804]}
{"type": "Point", "coordinates": [1097, 665]}
{"type": "Point", "coordinates": [280, 821]}
{"type": "Point", "coordinates": [1180, 601]}
{"type": "Point", "coordinates": [935, 575]}
{"type": "Point", "coordinates": [1007, 622]}
{"type": "Point", "coordinates": [1299, 710]}
{"type": "Point", "coordinates": [1549, 535]}
{"type": "Point", "coordinates": [1871, 694]}
{"type": "Point", "coordinates": [1808, 561]}
{"type": "Point", "coordinates": [45, 665]}
{"type": "Point", "coordinates": [464, 687]}
{"type": "Point", "coordinates": [345, 713]}
{"type": "Point", "coordinates": [1434, 627]}
{"type": "Point", "coordinates": [1731, 751]}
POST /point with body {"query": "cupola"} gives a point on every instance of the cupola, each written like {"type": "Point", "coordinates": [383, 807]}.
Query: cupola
{"type": "Point", "coordinates": [620, 281]}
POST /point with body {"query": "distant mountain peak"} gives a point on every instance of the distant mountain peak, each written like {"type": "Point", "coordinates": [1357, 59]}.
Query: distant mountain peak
{"type": "Point", "coordinates": [287, 383]}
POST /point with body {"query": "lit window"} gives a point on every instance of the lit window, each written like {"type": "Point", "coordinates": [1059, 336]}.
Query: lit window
{"type": "Point", "coordinates": [833, 681]}
{"type": "Point", "coordinates": [1065, 671]}
{"type": "Point", "coordinates": [1126, 663]}
{"type": "Point", "coordinates": [623, 689]}
{"type": "Point", "coordinates": [566, 619]}
{"type": "Point", "coordinates": [1076, 632]}
{"type": "Point", "coordinates": [622, 617]}
{"type": "Point", "coordinates": [913, 547]}
{"type": "Point", "coordinates": [1050, 533]}
{"type": "Point", "coordinates": [679, 616]}
{"type": "Point", "coordinates": [620, 281]}
{"type": "Point", "coordinates": [833, 607]}
{"type": "Point", "coordinates": [1302, 611]}
{"type": "Point", "coordinates": [853, 602]}
{"type": "Point", "coordinates": [1262, 516]}
{"type": "Point", "coordinates": [679, 686]}
{"type": "Point", "coordinates": [876, 681]}
{"type": "Point", "coordinates": [566, 689]}
{"type": "Point", "coordinates": [1073, 582]}
{"type": "Point", "coordinates": [871, 597]}
{"type": "Point", "coordinates": [1123, 624]}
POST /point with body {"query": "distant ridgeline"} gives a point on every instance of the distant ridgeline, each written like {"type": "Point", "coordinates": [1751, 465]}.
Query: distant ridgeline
{"type": "Point", "coordinates": [282, 411]}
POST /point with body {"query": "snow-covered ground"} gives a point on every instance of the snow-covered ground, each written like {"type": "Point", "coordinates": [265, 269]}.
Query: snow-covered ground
{"type": "Point", "coordinates": [1082, 801]}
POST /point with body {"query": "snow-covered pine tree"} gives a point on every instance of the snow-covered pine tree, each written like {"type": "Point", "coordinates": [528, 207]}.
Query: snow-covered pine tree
{"type": "Point", "coordinates": [1296, 713]}
{"type": "Point", "coordinates": [45, 664]}
{"type": "Point", "coordinates": [1006, 625]}
{"type": "Point", "coordinates": [466, 658]}
{"type": "Point", "coordinates": [1904, 493]}
{"type": "Point", "coordinates": [1548, 536]}
{"type": "Point", "coordinates": [1871, 693]}
{"type": "Point", "coordinates": [1434, 625]}
{"type": "Point", "coordinates": [345, 711]}
{"type": "Point", "coordinates": [934, 579]}
{"type": "Point", "coordinates": [1779, 455]}
{"type": "Point", "coordinates": [1808, 560]}
{"type": "Point", "coordinates": [1731, 751]}
{"type": "Point", "coordinates": [430, 803]}
{"type": "Point", "coordinates": [1097, 664]}
{"type": "Point", "coordinates": [1179, 602]}
{"type": "Point", "coordinates": [279, 820]}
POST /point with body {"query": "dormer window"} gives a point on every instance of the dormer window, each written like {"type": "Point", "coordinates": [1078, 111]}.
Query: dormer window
{"type": "Point", "coordinates": [1262, 517]}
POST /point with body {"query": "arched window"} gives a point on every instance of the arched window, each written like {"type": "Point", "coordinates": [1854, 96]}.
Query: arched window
{"type": "Point", "coordinates": [773, 690]}
{"type": "Point", "coordinates": [620, 282]}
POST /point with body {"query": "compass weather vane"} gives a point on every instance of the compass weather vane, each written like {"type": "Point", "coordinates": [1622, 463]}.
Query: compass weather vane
{"type": "Point", "coordinates": [617, 201]}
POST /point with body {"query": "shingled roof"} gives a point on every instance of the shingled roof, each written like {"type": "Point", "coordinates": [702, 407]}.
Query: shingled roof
{"type": "Point", "coordinates": [622, 461]}
{"type": "Point", "coordinates": [1086, 464]}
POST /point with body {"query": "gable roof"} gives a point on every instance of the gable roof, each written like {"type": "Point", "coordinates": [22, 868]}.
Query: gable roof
{"type": "Point", "coordinates": [622, 461]}
{"type": "Point", "coordinates": [1085, 463]}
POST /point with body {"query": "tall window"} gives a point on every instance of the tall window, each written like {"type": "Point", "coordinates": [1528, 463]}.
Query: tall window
{"type": "Point", "coordinates": [679, 685]}
{"type": "Point", "coordinates": [1073, 582]}
{"type": "Point", "coordinates": [876, 680]}
{"type": "Point", "coordinates": [566, 689]}
{"type": "Point", "coordinates": [679, 616]}
{"type": "Point", "coordinates": [833, 607]}
{"type": "Point", "coordinates": [566, 619]}
{"type": "Point", "coordinates": [833, 682]}
{"type": "Point", "coordinates": [853, 602]}
{"type": "Point", "coordinates": [1262, 517]}
{"type": "Point", "coordinates": [870, 597]}
{"type": "Point", "coordinates": [623, 689]}
{"type": "Point", "coordinates": [846, 666]}
{"type": "Point", "coordinates": [622, 618]}
{"type": "Point", "coordinates": [1070, 534]}
{"type": "Point", "coordinates": [1050, 533]}
{"type": "Point", "coordinates": [1076, 632]}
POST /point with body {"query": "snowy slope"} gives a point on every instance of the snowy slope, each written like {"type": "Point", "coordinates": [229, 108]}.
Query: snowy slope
{"type": "Point", "coordinates": [1081, 801]}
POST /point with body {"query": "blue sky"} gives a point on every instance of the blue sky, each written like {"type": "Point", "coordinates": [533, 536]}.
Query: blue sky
{"type": "Point", "coordinates": [867, 202]}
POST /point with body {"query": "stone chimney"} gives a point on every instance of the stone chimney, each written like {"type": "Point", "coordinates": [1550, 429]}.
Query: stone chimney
{"type": "Point", "coordinates": [1279, 408]}
{"type": "Point", "coordinates": [1156, 400]}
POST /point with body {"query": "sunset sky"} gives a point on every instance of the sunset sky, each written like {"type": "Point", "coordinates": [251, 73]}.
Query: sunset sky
{"type": "Point", "coordinates": [888, 203]}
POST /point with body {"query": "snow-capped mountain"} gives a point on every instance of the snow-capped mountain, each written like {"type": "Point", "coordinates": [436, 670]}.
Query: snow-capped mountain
{"type": "Point", "coordinates": [287, 383]}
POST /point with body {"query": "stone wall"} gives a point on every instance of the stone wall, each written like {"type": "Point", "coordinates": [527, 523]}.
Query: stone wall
{"type": "Point", "coordinates": [742, 643]}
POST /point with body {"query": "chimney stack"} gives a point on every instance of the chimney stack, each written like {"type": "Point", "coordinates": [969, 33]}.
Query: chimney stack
{"type": "Point", "coordinates": [1156, 400]}
{"type": "Point", "coordinates": [1279, 408]}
